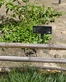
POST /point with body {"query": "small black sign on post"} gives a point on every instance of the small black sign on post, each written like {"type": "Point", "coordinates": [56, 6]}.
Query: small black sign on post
{"type": "Point", "coordinates": [42, 30]}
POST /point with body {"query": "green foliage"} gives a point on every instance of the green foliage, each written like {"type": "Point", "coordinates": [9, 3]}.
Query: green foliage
{"type": "Point", "coordinates": [32, 75]}
{"type": "Point", "coordinates": [20, 33]}
{"type": "Point", "coordinates": [25, 1]}
{"type": "Point", "coordinates": [31, 12]}
{"type": "Point", "coordinates": [28, 16]}
{"type": "Point", "coordinates": [1, 2]}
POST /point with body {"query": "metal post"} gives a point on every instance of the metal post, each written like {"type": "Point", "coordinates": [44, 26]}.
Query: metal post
{"type": "Point", "coordinates": [59, 1]}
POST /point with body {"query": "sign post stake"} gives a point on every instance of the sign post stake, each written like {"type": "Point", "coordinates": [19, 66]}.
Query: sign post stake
{"type": "Point", "coordinates": [42, 37]}
{"type": "Point", "coordinates": [59, 1]}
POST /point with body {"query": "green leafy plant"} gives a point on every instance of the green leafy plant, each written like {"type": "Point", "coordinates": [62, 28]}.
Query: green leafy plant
{"type": "Point", "coordinates": [25, 1]}
{"type": "Point", "coordinates": [1, 2]}
{"type": "Point", "coordinates": [28, 16]}
{"type": "Point", "coordinates": [31, 12]}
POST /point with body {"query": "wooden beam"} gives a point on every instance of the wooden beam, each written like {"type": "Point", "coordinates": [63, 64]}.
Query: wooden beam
{"type": "Point", "coordinates": [39, 67]}
{"type": "Point", "coordinates": [51, 68]}
{"type": "Point", "coordinates": [32, 59]}
{"type": "Point", "coordinates": [38, 46]}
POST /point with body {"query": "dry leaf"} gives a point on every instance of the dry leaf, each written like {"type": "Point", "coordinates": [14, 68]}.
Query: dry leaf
{"type": "Point", "coordinates": [54, 71]}
{"type": "Point", "coordinates": [63, 32]}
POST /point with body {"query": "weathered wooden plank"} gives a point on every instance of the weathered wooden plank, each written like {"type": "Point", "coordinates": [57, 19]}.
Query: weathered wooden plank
{"type": "Point", "coordinates": [38, 46]}
{"type": "Point", "coordinates": [32, 59]}
{"type": "Point", "coordinates": [39, 67]}
{"type": "Point", "coordinates": [51, 68]}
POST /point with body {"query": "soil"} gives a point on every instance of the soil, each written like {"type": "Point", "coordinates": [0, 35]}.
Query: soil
{"type": "Point", "coordinates": [58, 37]}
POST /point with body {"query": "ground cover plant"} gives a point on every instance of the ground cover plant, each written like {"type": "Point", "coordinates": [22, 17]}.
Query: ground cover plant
{"type": "Point", "coordinates": [28, 74]}
{"type": "Point", "coordinates": [28, 16]}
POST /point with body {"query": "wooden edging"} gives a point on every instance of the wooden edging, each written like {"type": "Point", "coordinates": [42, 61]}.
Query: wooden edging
{"type": "Point", "coordinates": [51, 68]}
{"type": "Point", "coordinates": [38, 46]}
{"type": "Point", "coordinates": [39, 67]}
{"type": "Point", "coordinates": [32, 59]}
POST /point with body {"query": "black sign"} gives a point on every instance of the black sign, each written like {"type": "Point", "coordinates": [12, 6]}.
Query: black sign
{"type": "Point", "coordinates": [42, 29]}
